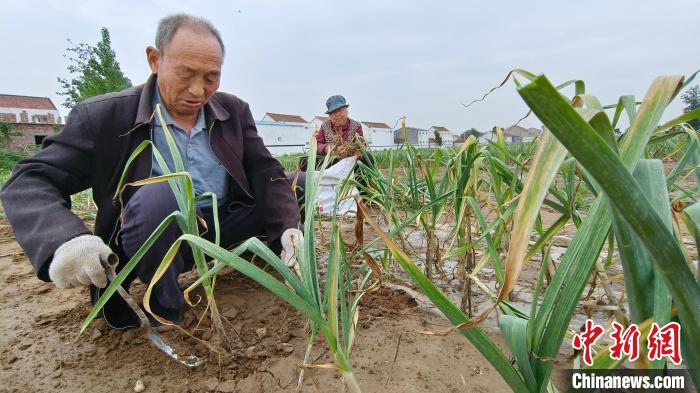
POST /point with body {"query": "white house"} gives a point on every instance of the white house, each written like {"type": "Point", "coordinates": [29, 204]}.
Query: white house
{"type": "Point", "coordinates": [445, 134]}
{"type": "Point", "coordinates": [417, 137]}
{"type": "Point", "coordinates": [378, 135]}
{"type": "Point", "coordinates": [284, 134]}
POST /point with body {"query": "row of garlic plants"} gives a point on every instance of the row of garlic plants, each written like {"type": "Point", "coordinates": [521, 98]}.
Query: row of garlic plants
{"type": "Point", "coordinates": [582, 164]}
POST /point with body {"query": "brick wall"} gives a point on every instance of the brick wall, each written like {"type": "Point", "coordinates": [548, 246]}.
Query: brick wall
{"type": "Point", "coordinates": [27, 132]}
{"type": "Point", "coordinates": [40, 119]}
{"type": "Point", "coordinates": [8, 118]}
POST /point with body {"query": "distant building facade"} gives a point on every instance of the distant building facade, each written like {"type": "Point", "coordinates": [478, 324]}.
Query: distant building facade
{"type": "Point", "coordinates": [417, 137]}
{"type": "Point", "coordinates": [512, 134]}
{"type": "Point", "coordinates": [516, 134]}
{"type": "Point", "coordinates": [28, 109]}
{"type": "Point", "coordinates": [378, 135]}
{"type": "Point", "coordinates": [32, 118]}
{"type": "Point", "coordinates": [284, 134]}
{"type": "Point", "coordinates": [445, 134]}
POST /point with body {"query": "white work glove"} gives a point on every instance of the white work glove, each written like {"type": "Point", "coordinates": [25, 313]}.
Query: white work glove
{"type": "Point", "coordinates": [291, 238]}
{"type": "Point", "coordinates": [78, 262]}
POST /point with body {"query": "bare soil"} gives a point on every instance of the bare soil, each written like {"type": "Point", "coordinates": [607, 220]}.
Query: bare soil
{"type": "Point", "coordinates": [39, 351]}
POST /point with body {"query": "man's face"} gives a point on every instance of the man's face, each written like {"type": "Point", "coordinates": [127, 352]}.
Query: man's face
{"type": "Point", "coordinates": [339, 116]}
{"type": "Point", "coordinates": [188, 69]}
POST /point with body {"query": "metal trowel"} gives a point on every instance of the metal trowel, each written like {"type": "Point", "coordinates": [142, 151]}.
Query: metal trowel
{"type": "Point", "coordinates": [154, 337]}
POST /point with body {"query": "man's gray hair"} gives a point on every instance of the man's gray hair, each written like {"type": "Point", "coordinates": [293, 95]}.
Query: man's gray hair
{"type": "Point", "coordinates": [170, 24]}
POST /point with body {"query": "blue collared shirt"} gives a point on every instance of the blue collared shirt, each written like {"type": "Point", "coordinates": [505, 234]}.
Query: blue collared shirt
{"type": "Point", "coordinates": [199, 160]}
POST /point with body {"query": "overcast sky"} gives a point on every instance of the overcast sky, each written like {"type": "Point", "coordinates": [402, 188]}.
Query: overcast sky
{"type": "Point", "coordinates": [418, 59]}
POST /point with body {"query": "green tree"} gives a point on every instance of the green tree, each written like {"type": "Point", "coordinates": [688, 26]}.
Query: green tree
{"type": "Point", "coordinates": [438, 138]}
{"type": "Point", "coordinates": [94, 70]}
{"type": "Point", "coordinates": [7, 131]}
{"type": "Point", "coordinates": [691, 98]}
{"type": "Point", "coordinates": [472, 131]}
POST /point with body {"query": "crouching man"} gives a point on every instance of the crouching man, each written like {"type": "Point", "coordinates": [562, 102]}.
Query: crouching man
{"type": "Point", "coordinates": [217, 139]}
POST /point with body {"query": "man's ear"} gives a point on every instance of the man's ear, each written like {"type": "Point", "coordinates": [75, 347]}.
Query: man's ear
{"type": "Point", "coordinates": [153, 57]}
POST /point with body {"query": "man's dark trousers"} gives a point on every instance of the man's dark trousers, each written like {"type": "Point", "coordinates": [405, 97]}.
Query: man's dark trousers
{"type": "Point", "coordinates": [145, 210]}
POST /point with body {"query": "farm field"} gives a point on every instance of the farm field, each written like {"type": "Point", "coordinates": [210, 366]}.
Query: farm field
{"type": "Point", "coordinates": [473, 268]}
{"type": "Point", "coordinates": [412, 363]}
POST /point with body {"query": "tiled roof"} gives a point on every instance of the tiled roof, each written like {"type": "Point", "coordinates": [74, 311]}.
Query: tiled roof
{"type": "Point", "coordinates": [286, 118]}
{"type": "Point", "coordinates": [440, 128]}
{"type": "Point", "coordinates": [26, 102]}
{"type": "Point", "coordinates": [375, 125]}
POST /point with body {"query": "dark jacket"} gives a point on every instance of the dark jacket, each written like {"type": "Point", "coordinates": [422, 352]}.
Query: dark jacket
{"type": "Point", "coordinates": [92, 150]}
